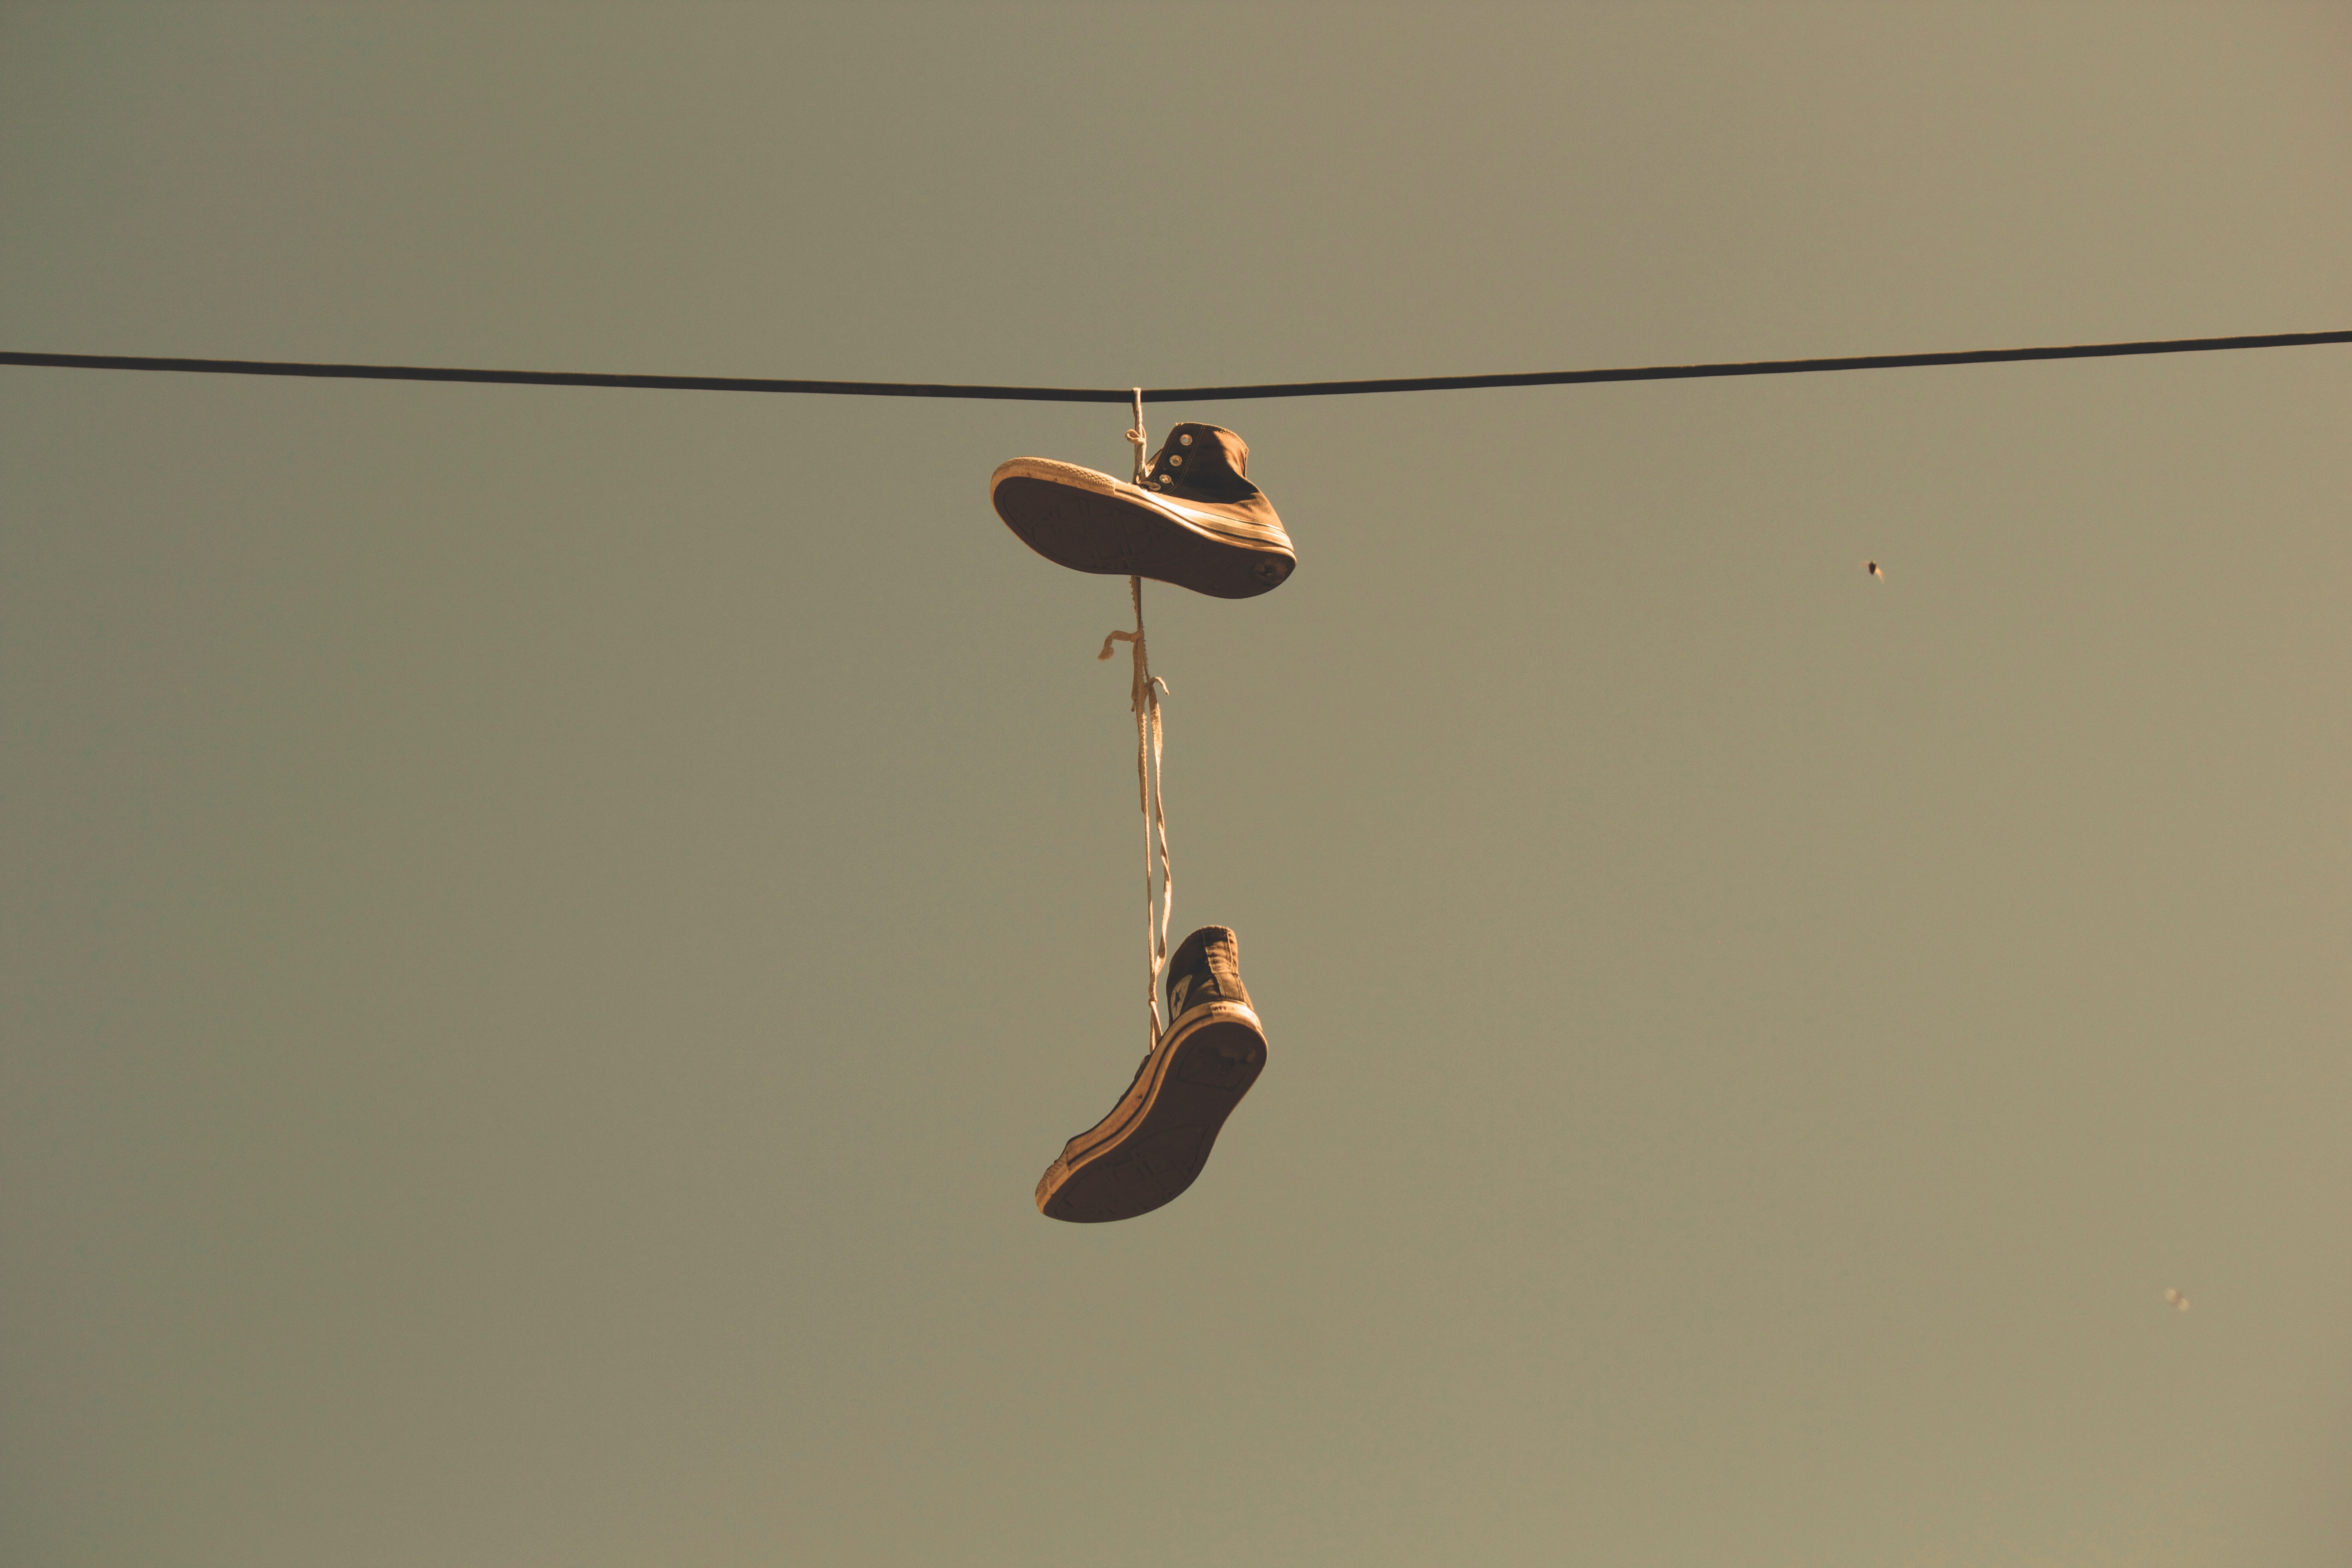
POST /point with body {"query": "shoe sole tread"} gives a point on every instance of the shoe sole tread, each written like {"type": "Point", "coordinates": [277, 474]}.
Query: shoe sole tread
{"type": "Point", "coordinates": [1155, 1142]}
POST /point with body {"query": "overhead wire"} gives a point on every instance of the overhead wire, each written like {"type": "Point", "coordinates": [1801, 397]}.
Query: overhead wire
{"type": "Point", "coordinates": [1160, 395]}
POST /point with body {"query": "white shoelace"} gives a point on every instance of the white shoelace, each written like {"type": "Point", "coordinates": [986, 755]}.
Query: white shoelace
{"type": "Point", "coordinates": [1158, 890]}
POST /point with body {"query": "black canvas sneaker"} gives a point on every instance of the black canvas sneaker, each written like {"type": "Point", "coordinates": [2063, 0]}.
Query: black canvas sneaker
{"type": "Point", "coordinates": [1195, 520]}
{"type": "Point", "coordinates": [1157, 1137]}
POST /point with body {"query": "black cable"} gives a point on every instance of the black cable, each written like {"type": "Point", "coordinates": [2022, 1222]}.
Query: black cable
{"type": "Point", "coordinates": [1754, 367]}
{"type": "Point", "coordinates": [569, 378]}
{"type": "Point", "coordinates": [1162, 395]}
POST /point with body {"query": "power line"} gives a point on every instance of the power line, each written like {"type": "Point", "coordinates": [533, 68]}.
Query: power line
{"type": "Point", "coordinates": [1161, 395]}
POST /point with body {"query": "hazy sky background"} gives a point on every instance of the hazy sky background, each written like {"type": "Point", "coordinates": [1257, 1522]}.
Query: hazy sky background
{"type": "Point", "coordinates": [546, 936]}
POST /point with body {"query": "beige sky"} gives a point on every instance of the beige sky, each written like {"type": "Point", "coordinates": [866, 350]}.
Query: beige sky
{"type": "Point", "coordinates": [547, 935]}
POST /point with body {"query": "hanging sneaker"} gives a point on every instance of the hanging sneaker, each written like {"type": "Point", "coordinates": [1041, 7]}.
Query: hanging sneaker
{"type": "Point", "coordinates": [1158, 1135]}
{"type": "Point", "coordinates": [1196, 520]}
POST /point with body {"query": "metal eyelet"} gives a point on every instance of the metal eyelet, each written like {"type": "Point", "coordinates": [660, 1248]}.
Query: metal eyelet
{"type": "Point", "coordinates": [1175, 462]}
{"type": "Point", "coordinates": [1184, 440]}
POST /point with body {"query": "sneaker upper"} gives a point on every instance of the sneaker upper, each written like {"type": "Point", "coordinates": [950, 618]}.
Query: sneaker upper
{"type": "Point", "coordinates": [1209, 465]}
{"type": "Point", "coordinates": [1205, 967]}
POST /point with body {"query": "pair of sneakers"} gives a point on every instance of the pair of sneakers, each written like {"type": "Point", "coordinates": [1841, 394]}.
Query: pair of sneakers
{"type": "Point", "coordinates": [1196, 520]}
